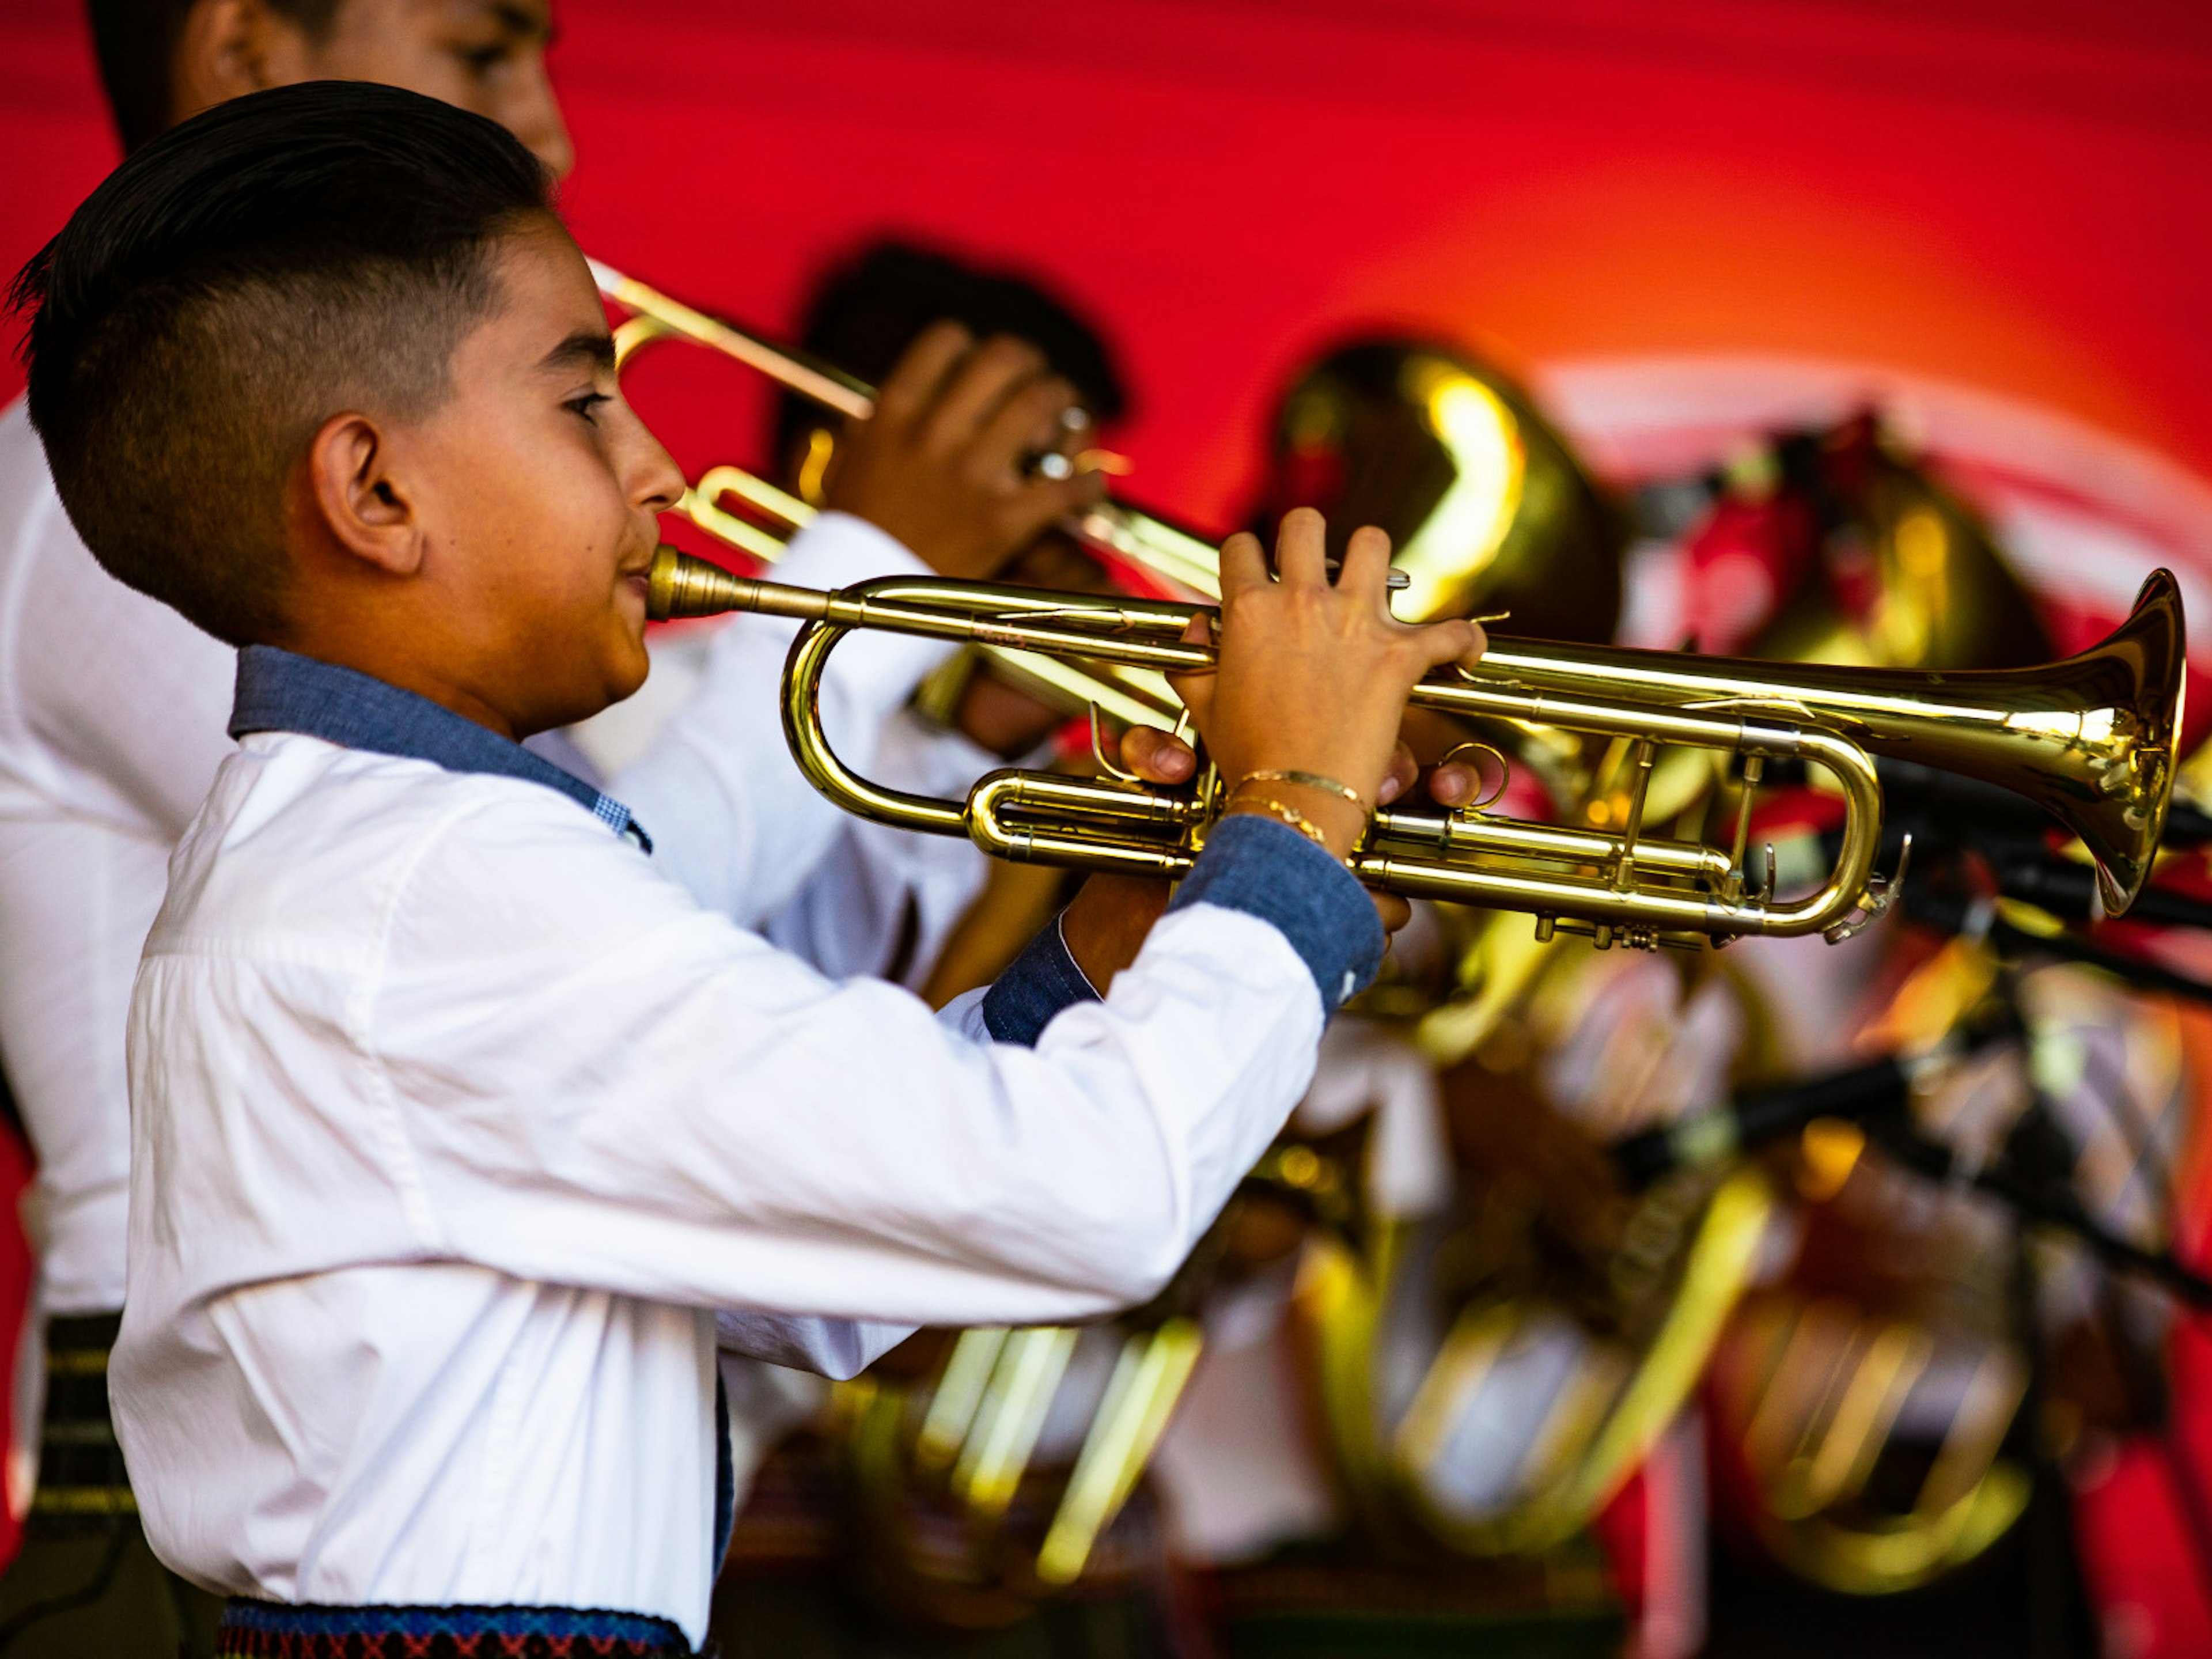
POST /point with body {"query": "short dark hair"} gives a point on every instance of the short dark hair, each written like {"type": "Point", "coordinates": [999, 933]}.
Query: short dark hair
{"type": "Point", "coordinates": [135, 43]}
{"type": "Point", "coordinates": [871, 306]}
{"type": "Point", "coordinates": [280, 258]}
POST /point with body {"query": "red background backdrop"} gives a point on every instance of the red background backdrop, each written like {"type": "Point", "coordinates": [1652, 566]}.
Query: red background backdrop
{"type": "Point", "coordinates": [2010, 197]}
{"type": "Point", "coordinates": [2015, 195]}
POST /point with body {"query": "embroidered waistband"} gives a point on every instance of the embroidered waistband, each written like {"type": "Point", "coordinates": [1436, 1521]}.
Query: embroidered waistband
{"type": "Point", "coordinates": [267, 1629]}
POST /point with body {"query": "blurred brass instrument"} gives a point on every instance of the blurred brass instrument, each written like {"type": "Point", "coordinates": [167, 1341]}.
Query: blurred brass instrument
{"type": "Point", "coordinates": [1150, 543]}
{"type": "Point", "coordinates": [1833, 1383]}
{"type": "Point", "coordinates": [1518, 1420]}
{"type": "Point", "coordinates": [1485, 500]}
{"type": "Point", "coordinates": [973, 1496]}
{"type": "Point", "coordinates": [1836, 1407]}
{"type": "Point", "coordinates": [2089, 740]}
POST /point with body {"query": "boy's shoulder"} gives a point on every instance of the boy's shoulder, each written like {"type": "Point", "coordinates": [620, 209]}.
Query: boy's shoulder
{"type": "Point", "coordinates": [308, 848]}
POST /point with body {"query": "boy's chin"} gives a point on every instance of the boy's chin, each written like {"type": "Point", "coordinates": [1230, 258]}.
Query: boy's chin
{"type": "Point", "coordinates": [621, 671]}
{"type": "Point", "coordinates": [628, 670]}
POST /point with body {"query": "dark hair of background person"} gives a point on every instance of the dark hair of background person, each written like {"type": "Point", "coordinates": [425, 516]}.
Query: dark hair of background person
{"type": "Point", "coordinates": [871, 306]}
{"type": "Point", "coordinates": [134, 41]}
{"type": "Point", "coordinates": [281, 257]}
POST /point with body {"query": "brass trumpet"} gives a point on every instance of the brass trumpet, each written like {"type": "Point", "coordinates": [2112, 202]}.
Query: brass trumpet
{"type": "Point", "coordinates": [2090, 739]}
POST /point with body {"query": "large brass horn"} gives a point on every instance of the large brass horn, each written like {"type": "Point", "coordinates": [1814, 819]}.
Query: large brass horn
{"type": "Point", "coordinates": [2090, 739]}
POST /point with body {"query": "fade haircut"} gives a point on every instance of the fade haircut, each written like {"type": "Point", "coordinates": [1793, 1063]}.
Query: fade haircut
{"type": "Point", "coordinates": [135, 43]}
{"type": "Point", "coordinates": [283, 257]}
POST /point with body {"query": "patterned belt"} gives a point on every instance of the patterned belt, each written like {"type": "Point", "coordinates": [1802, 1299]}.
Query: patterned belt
{"type": "Point", "coordinates": [83, 1488]}
{"type": "Point", "coordinates": [266, 1630]}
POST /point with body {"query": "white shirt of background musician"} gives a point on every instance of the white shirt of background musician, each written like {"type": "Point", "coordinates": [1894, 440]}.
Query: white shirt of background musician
{"type": "Point", "coordinates": [112, 717]}
{"type": "Point", "coordinates": [456, 1121]}
{"type": "Point", "coordinates": [882, 901]}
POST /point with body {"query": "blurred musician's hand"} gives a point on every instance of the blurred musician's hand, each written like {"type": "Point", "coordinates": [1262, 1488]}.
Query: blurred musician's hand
{"type": "Point", "coordinates": [943, 464]}
{"type": "Point", "coordinates": [995, 712]}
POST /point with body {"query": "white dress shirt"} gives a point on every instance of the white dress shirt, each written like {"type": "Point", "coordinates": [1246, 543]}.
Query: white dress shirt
{"type": "Point", "coordinates": [881, 898]}
{"type": "Point", "coordinates": [456, 1120]}
{"type": "Point", "coordinates": [112, 716]}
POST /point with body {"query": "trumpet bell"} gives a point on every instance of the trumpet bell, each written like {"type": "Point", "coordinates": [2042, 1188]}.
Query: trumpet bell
{"type": "Point", "coordinates": [2090, 739]}
{"type": "Point", "coordinates": [2116, 798]}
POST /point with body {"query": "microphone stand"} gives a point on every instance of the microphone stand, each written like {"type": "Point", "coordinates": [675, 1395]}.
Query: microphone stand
{"type": "Point", "coordinates": [1876, 1097]}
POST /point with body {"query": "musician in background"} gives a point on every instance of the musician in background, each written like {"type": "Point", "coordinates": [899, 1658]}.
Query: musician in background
{"type": "Point", "coordinates": [114, 723]}
{"type": "Point", "coordinates": [891, 902]}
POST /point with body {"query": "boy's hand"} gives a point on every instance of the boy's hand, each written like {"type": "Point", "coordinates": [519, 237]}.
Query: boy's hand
{"type": "Point", "coordinates": [1314, 676]}
{"type": "Point", "coordinates": [1106, 926]}
{"type": "Point", "coordinates": [941, 464]}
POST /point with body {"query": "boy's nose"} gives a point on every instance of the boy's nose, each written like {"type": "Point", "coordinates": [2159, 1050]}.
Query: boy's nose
{"type": "Point", "coordinates": [536, 120]}
{"type": "Point", "coordinates": [661, 482]}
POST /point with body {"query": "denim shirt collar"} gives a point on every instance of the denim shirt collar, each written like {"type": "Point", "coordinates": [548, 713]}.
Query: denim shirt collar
{"type": "Point", "coordinates": [279, 690]}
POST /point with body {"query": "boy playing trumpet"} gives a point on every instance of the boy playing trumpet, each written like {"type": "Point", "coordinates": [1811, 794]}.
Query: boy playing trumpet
{"type": "Point", "coordinates": [461, 1134]}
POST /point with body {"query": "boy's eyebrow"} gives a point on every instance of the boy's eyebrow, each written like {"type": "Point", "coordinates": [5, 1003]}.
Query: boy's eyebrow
{"type": "Point", "coordinates": [521, 21]}
{"type": "Point", "coordinates": [586, 346]}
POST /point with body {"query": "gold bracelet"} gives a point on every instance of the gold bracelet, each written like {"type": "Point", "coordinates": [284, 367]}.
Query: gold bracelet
{"type": "Point", "coordinates": [1283, 812]}
{"type": "Point", "coordinates": [1307, 780]}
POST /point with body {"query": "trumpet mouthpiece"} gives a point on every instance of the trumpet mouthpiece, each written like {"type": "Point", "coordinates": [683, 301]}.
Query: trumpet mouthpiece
{"type": "Point", "coordinates": [679, 585]}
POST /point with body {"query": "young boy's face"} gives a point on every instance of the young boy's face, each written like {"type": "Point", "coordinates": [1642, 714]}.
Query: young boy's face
{"type": "Point", "coordinates": [487, 56]}
{"type": "Point", "coordinates": [536, 490]}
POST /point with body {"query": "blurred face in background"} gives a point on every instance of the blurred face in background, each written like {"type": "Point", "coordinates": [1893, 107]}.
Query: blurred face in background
{"type": "Point", "coordinates": [486, 56]}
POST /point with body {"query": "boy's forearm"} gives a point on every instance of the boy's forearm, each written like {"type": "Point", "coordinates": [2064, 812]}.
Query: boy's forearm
{"type": "Point", "coordinates": [1251, 865]}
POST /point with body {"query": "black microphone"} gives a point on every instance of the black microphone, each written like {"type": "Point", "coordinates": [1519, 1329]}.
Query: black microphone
{"type": "Point", "coordinates": [1861, 1095]}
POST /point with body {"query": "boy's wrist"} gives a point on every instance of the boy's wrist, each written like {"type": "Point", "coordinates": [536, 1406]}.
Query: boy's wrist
{"type": "Point", "coordinates": [1337, 825]}
{"type": "Point", "coordinates": [1256, 863]}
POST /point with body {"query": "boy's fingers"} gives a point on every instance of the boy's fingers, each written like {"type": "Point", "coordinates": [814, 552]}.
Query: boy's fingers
{"type": "Point", "coordinates": [1392, 911]}
{"type": "Point", "coordinates": [1157, 756]}
{"type": "Point", "coordinates": [1453, 784]}
{"type": "Point", "coordinates": [1437, 643]}
{"type": "Point", "coordinates": [1398, 776]}
{"type": "Point", "coordinates": [1196, 690]}
{"type": "Point", "coordinates": [917, 378]}
{"type": "Point", "coordinates": [1301, 548]}
{"type": "Point", "coordinates": [1243, 566]}
{"type": "Point", "coordinates": [1366, 562]}
{"type": "Point", "coordinates": [983, 381]}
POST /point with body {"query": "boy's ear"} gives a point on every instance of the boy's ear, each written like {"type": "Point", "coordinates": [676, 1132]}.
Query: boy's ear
{"type": "Point", "coordinates": [357, 498]}
{"type": "Point", "coordinates": [227, 48]}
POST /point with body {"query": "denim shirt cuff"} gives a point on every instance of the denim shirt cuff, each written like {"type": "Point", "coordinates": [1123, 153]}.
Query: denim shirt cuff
{"type": "Point", "coordinates": [1037, 985]}
{"type": "Point", "coordinates": [1270, 870]}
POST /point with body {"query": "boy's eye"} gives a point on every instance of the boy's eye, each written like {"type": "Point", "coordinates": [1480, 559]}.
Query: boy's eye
{"type": "Point", "coordinates": [587, 404]}
{"type": "Point", "coordinates": [482, 60]}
